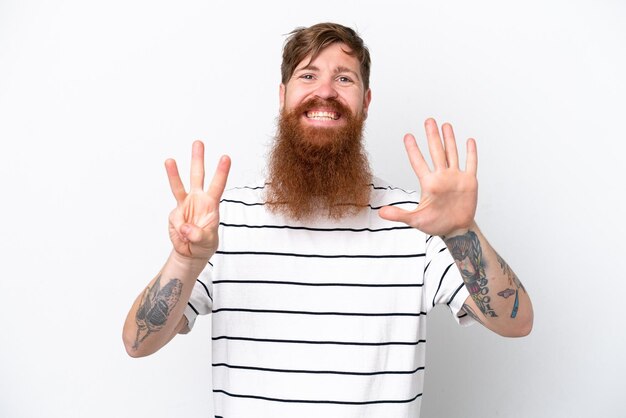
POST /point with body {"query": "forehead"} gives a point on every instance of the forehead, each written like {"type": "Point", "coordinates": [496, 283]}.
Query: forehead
{"type": "Point", "coordinates": [334, 56]}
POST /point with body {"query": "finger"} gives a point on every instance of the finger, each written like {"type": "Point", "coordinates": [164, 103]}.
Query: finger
{"type": "Point", "coordinates": [450, 145]}
{"type": "Point", "coordinates": [191, 233]}
{"type": "Point", "coordinates": [434, 144]}
{"type": "Point", "coordinates": [197, 166]}
{"type": "Point", "coordinates": [420, 167]}
{"type": "Point", "coordinates": [471, 164]}
{"type": "Point", "coordinates": [216, 188]}
{"type": "Point", "coordinates": [176, 185]}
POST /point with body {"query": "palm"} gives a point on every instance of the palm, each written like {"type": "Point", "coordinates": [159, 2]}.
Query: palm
{"type": "Point", "coordinates": [193, 223]}
{"type": "Point", "coordinates": [199, 210]}
{"type": "Point", "coordinates": [449, 195]}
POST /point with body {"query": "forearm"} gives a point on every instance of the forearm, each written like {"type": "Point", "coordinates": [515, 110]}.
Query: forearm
{"type": "Point", "coordinates": [157, 313]}
{"type": "Point", "coordinates": [502, 303]}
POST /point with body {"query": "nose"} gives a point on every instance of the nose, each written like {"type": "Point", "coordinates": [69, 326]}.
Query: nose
{"type": "Point", "coordinates": [326, 89]}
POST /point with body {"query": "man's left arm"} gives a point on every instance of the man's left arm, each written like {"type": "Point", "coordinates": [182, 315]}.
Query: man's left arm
{"type": "Point", "coordinates": [447, 208]}
{"type": "Point", "coordinates": [497, 299]}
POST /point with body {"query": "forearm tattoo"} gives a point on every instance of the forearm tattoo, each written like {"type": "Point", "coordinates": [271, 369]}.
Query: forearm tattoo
{"type": "Point", "coordinates": [513, 281]}
{"type": "Point", "coordinates": [155, 307]}
{"type": "Point", "coordinates": [467, 254]}
{"type": "Point", "coordinates": [471, 313]}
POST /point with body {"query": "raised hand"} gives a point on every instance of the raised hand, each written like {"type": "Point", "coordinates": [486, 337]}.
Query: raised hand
{"type": "Point", "coordinates": [193, 223]}
{"type": "Point", "coordinates": [448, 195]}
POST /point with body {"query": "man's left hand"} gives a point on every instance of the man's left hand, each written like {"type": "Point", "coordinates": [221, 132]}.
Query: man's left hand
{"type": "Point", "coordinates": [448, 194]}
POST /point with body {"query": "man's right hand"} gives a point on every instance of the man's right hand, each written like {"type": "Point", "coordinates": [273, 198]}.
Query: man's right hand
{"type": "Point", "coordinates": [193, 223]}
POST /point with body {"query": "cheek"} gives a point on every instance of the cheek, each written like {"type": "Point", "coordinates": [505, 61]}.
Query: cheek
{"type": "Point", "coordinates": [294, 98]}
{"type": "Point", "coordinates": [356, 107]}
{"type": "Point", "coordinates": [355, 102]}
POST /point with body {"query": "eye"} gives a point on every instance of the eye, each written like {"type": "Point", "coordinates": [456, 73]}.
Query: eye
{"type": "Point", "coordinates": [344, 79]}
{"type": "Point", "coordinates": [306, 76]}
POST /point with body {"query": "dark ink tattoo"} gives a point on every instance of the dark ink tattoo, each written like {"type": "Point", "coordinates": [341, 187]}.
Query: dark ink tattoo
{"type": "Point", "coordinates": [155, 307]}
{"type": "Point", "coordinates": [513, 279]}
{"type": "Point", "coordinates": [506, 293]}
{"type": "Point", "coordinates": [467, 254]}
{"type": "Point", "coordinates": [471, 313]}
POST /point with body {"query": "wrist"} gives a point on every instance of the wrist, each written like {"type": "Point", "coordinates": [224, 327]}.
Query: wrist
{"type": "Point", "coordinates": [460, 231]}
{"type": "Point", "coordinates": [190, 264]}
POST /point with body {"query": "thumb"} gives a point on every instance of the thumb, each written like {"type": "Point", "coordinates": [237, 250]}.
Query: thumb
{"type": "Point", "coordinates": [191, 233]}
{"type": "Point", "coordinates": [392, 213]}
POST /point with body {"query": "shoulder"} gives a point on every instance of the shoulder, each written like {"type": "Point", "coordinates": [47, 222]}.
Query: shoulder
{"type": "Point", "coordinates": [245, 203]}
{"type": "Point", "coordinates": [251, 192]}
{"type": "Point", "coordinates": [384, 193]}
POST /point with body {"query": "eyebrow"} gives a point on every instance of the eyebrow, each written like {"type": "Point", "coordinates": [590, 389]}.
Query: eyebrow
{"type": "Point", "coordinates": [339, 69]}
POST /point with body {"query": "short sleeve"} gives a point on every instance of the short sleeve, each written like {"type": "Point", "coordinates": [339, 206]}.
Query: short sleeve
{"type": "Point", "coordinates": [201, 299]}
{"type": "Point", "coordinates": [443, 283]}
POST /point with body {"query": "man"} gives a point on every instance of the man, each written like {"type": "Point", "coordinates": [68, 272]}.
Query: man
{"type": "Point", "coordinates": [319, 279]}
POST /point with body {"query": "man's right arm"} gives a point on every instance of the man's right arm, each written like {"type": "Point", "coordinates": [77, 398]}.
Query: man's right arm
{"type": "Point", "coordinates": [156, 316]}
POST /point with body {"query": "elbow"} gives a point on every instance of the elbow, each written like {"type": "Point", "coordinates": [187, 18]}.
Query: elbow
{"type": "Point", "coordinates": [524, 330]}
{"type": "Point", "coordinates": [522, 325]}
{"type": "Point", "coordinates": [526, 323]}
{"type": "Point", "coordinates": [131, 346]}
{"type": "Point", "coordinates": [132, 352]}
{"type": "Point", "coordinates": [135, 352]}
{"type": "Point", "coordinates": [521, 328]}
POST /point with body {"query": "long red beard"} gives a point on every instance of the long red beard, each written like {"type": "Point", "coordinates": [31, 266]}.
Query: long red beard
{"type": "Point", "coordinates": [318, 171]}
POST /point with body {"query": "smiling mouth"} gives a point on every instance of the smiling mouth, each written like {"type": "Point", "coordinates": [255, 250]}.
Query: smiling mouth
{"type": "Point", "coordinates": [322, 115]}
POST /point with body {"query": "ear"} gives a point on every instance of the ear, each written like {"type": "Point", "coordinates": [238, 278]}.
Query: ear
{"type": "Point", "coordinates": [281, 95]}
{"type": "Point", "coordinates": [367, 98]}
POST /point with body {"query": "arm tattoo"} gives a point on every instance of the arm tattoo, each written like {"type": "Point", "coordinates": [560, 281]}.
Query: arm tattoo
{"type": "Point", "coordinates": [515, 305]}
{"type": "Point", "coordinates": [471, 313]}
{"type": "Point", "coordinates": [467, 254]}
{"type": "Point", "coordinates": [155, 307]}
{"type": "Point", "coordinates": [513, 280]}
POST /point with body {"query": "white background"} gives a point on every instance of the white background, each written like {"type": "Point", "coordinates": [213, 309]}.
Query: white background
{"type": "Point", "coordinates": [94, 96]}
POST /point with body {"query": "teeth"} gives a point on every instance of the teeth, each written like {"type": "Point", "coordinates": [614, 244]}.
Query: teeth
{"type": "Point", "coordinates": [322, 115]}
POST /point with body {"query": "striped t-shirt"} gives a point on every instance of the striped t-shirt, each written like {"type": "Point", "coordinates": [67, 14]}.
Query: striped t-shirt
{"type": "Point", "coordinates": [324, 318]}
